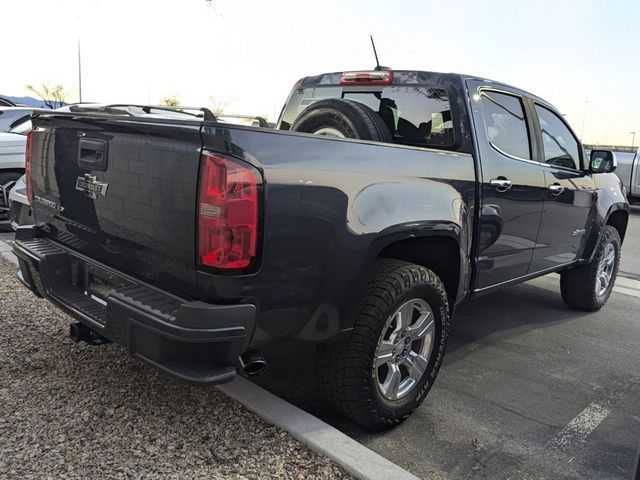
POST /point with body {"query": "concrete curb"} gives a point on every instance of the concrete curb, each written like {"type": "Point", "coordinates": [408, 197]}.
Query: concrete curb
{"type": "Point", "coordinates": [320, 437]}
{"type": "Point", "coordinates": [5, 251]}
{"type": "Point", "coordinates": [354, 458]}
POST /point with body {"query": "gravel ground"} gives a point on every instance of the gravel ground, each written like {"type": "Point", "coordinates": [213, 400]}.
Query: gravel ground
{"type": "Point", "coordinates": [74, 411]}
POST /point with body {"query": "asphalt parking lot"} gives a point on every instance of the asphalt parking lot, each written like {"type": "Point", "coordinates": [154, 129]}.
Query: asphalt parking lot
{"type": "Point", "coordinates": [529, 389]}
{"type": "Point", "coordinates": [520, 367]}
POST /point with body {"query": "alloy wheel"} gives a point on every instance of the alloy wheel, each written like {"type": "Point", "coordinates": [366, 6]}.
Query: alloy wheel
{"type": "Point", "coordinates": [605, 269]}
{"type": "Point", "coordinates": [404, 349]}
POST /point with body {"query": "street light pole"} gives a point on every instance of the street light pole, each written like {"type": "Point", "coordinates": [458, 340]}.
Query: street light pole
{"type": "Point", "coordinates": [633, 139]}
{"type": "Point", "coordinates": [584, 116]}
{"type": "Point", "coordinates": [79, 71]}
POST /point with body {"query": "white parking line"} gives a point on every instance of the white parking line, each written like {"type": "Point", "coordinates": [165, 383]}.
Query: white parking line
{"type": "Point", "coordinates": [626, 286]}
{"type": "Point", "coordinates": [578, 429]}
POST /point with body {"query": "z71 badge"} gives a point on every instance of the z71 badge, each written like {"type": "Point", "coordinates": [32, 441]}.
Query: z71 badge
{"type": "Point", "coordinates": [90, 186]}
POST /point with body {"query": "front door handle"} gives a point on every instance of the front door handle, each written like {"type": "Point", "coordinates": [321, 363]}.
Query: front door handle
{"type": "Point", "coordinates": [502, 184]}
{"type": "Point", "coordinates": [556, 188]}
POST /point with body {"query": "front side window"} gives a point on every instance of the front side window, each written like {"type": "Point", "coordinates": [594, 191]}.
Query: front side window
{"type": "Point", "coordinates": [506, 124]}
{"type": "Point", "coordinates": [560, 146]}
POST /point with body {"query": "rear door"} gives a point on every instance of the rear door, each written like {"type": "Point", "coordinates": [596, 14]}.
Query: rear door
{"type": "Point", "coordinates": [569, 196]}
{"type": "Point", "coordinates": [513, 183]}
{"type": "Point", "coordinates": [121, 191]}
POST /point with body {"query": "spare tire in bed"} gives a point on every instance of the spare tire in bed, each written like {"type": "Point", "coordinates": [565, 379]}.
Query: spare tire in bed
{"type": "Point", "coordinates": [342, 119]}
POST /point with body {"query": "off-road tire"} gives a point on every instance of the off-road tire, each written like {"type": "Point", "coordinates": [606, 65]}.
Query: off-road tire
{"type": "Point", "coordinates": [577, 285]}
{"type": "Point", "coordinates": [352, 119]}
{"type": "Point", "coordinates": [346, 369]}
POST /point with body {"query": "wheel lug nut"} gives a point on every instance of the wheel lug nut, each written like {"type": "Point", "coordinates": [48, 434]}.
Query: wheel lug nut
{"type": "Point", "coordinates": [404, 353]}
{"type": "Point", "coordinates": [403, 334]}
{"type": "Point", "coordinates": [393, 352]}
{"type": "Point", "coordinates": [397, 358]}
{"type": "Point", "coordinates": [407, 340]}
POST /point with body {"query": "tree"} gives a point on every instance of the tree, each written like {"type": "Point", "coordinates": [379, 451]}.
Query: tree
{"type": "Point", "coordinates": [170, 101]}
{"type": "Point", "coordinates": [217, 107]}
{"type": "Point", "coordinates": [53, 96]}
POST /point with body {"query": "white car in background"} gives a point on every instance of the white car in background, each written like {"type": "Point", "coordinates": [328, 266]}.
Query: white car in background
{"type": "Point", "coordinates": [12, 116]}
{"type": "Point", "coordinates": [12, 149]}
{"type": "Point", "coordinates": [20, 210]}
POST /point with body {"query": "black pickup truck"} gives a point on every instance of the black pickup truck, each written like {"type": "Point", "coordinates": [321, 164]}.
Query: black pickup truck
{"type": "Point", "coordinates": [379, 203]}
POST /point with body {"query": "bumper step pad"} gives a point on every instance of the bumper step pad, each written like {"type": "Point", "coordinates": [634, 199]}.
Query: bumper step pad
{"type": "Point", "coordinates": [195, 341]}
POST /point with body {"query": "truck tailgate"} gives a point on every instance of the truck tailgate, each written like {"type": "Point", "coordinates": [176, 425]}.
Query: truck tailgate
{"type": "Point", "coordinates": [121, 192]}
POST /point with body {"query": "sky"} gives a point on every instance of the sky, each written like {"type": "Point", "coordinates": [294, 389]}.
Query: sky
{"type": "Point", "coordinates": [582, 56]}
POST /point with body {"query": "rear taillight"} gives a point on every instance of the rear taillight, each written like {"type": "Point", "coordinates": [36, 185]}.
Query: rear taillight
{"type": "Point", "coordinates": [376, 77]}
{"type": "Point", "coordinates": [227, 213]}
{"type": "Point", "coordinates": [27, 168]}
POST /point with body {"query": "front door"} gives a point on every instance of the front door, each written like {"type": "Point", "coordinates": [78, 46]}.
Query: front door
{"type": "Point", "coordinates": [569, 197]}
{"type": "Point", "coordinates": [513, 184]}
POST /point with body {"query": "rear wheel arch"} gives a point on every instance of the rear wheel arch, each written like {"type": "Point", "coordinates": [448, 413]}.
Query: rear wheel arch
{"type": "Point", "coordinates": [438, 253]}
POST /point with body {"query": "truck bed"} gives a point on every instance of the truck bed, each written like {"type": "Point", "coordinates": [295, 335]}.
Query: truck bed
{"type": "Point", "coordinates": [327, 207]}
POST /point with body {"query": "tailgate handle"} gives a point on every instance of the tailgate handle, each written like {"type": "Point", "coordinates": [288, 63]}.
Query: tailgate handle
{"type": "Point", "coordinates": [92, 154]}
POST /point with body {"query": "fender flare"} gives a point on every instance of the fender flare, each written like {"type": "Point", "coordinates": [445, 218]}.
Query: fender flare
{"type": "Point", "coordinates": [595, 232]}
{"type": "Point", "coordinates": [426, 230]}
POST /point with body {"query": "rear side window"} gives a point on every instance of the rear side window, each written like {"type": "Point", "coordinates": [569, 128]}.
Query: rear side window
{"type": "Point", "coordinates": [506, 124]}
{"type": "Point", "coordinates": [560, 146]}
{"type": "Point", "coordinates": [416, 115]}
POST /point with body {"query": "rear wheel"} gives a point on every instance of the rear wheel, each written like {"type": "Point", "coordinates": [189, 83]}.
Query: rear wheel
{"type": "Point", "coordinates": [342, 119]}
{"type": "Point", "coordinates": [384, 371]}
{"type": "Point", "coordinates": [589, 286]}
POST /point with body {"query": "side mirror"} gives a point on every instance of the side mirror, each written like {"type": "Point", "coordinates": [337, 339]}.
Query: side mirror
{"type": "Point", "coordinates": [602, 161]}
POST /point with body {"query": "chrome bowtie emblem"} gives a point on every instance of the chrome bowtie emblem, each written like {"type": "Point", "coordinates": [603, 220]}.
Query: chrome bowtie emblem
{"type": "Point", "coordinates": [90, 186]}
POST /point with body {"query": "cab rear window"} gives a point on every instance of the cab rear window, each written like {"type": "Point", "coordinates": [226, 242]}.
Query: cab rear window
{"type": "Point", "coordinates": [416, 115]}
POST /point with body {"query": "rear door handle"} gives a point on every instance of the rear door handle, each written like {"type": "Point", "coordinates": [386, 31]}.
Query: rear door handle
{"type": "Point", "coordinates": [556, 188]}
{"type": "Point", "coordinates": [502, 184]}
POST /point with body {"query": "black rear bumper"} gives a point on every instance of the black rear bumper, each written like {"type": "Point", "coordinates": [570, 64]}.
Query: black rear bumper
{"type": "Point", "coordinates": [195, 341]}
{"type": "Point", "coordinates": [20, 214]}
